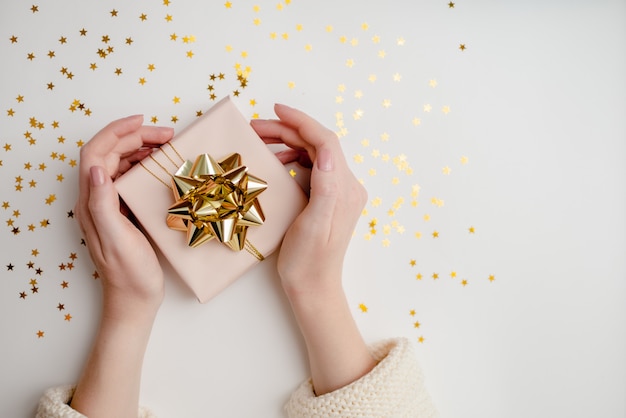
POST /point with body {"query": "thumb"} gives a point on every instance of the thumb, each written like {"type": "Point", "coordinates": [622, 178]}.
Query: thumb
{"type": "Point", "coordinates": [324, 190]}
{"type": "Point", "coordinates": [104, 206]}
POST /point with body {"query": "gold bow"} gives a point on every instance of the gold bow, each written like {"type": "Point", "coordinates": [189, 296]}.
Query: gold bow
{"type": "Point", "coordinates": [216, 200]}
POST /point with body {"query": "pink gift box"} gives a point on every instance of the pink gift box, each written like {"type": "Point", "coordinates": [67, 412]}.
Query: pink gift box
{"type": "Point", "coordinates": [211, 267]}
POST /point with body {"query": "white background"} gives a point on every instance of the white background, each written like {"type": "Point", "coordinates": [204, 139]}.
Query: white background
{"type": "Point", "coordinates": [536, 103]}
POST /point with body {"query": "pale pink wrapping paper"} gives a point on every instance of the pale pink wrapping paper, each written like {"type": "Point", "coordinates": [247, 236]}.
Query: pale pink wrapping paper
{"type": "Point", "coordinates": [211, 267]}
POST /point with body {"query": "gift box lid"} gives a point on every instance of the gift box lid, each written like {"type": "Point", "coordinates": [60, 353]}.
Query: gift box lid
{"type": "Point", "coordinates": [145, 188]}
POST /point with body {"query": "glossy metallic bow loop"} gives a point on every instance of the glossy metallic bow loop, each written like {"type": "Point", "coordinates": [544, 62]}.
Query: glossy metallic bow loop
{"type": "Point", "coordinates": [216, 199]}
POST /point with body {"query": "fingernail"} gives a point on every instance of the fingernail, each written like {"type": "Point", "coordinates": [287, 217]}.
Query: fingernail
{"type": "Point", "coordinates": [97, 175]}
{"type": "Point", "coordinates": [284, 106]}
{"type": "Point", "coordinates": [325, 160]}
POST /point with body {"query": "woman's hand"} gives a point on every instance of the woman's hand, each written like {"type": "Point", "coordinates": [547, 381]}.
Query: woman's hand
{"type": "Point", "coordinates": [131, 276]}
{"type": "Point", "coordinates": [132, 280]}
{"type": "Point", "coordinates": [311, 257]}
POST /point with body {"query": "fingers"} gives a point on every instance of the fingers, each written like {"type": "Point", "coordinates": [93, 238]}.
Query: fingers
{"type": "Point", "coordinates": [291, 155]}
{"type": "Point", "coordinates": [310, 130]}
{"type": "Point", "coordinates": [320, 211]}
{"type": "Point", "coordinates": [104, 208]}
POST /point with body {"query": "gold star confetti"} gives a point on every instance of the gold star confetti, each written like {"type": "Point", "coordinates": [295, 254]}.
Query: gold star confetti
{"type": "Point", "coordinates": [228, 5]}
{"type": "Point", "coordinates": [453, 274]}
{"type": "Point", "coordinates": [412, 312]}
{"type": "Point", "coordinates": [113, 13]}
{"type": "Point", "coordinates": [464, 160]}
{"type": "Point", "coordinates": [427, 108]}
{"type": "Point", "coordinates": [363, 307]}
{"type": "Point", "coordinates": [412, 263]}
{"type": "Point", "coordinates": [492, 277]}
{"type": "Point", "coordinates": [400, 41]}
{"type": "Point", "coordinates": [471, 230]}
{"type": "Point", "coordinates": [464, 282]}
{"type": "Point", "coordinates": [435, 234]}
{"type": "Point", "coordinates": [13, 39]}
{"type": "Point", "coordinates": [446, 170]}
{"type": "Point", "coordinates": [462, 47]}
{"type": "Point", "coordinates": [40, 334]}
{"type": "Point", "coordinates": [420, 339]}
{"type": "Point", "coordinates": [418, 276]}
{"type": "Point", "coordinates": [416, 324]}
{"type": "Point", "coordinates": [143, 17]}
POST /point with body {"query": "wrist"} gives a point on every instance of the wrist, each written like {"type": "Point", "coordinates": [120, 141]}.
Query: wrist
{"type": "Point", "coordinates": [129, 311]}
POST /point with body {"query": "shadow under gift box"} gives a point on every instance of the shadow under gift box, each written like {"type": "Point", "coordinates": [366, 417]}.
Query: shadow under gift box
{"type": "Point", "coordinates": [212, 266]}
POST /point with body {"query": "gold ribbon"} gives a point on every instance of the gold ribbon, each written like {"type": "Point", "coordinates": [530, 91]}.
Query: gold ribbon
{"type": "Point", "coordinates": [216, 199]}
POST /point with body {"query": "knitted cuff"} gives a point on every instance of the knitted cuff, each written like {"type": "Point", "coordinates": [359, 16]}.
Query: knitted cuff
{"type": "Point", "coordinates": [55, 404]}
{"type": "Point", "coordinates": [394, 388]}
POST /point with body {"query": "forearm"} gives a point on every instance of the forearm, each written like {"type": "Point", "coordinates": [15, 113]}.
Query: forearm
{"type": "Point", "coordinates": [337, 353]}
{"type": "Point", "coordinates": [110, 383]}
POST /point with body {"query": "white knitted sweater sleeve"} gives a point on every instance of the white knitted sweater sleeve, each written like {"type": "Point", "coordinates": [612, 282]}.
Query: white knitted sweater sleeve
{"type": "Point", "coordinates": [394, 388]}
{"type": "Point", "coordinates": [55, 404]}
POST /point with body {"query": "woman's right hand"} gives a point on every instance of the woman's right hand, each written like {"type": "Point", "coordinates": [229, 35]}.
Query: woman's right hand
{"type": "Point", "coordinates": [311, 257]}
{"type": "Point", "coordinates": [310, 262]}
